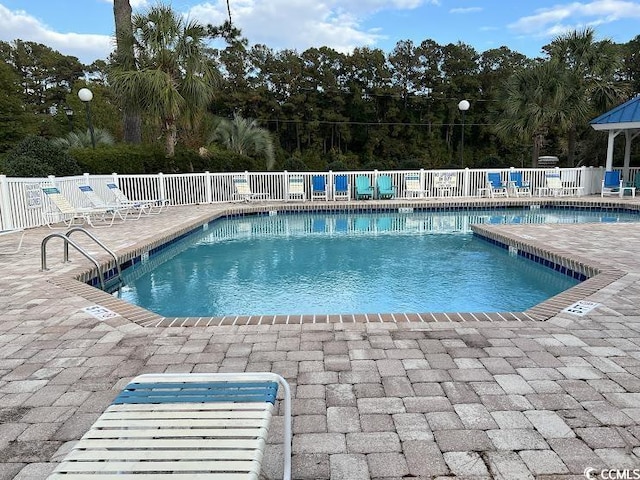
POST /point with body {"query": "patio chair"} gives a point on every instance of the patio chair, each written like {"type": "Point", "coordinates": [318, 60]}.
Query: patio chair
{"type": "Point", "coordinates": [14, 231]}
{"type": "Point", "coordinates": [553, 185]}
{"type": "Point", "coordinates": [495, 187]}
{"type": "Point", "coordinates": [611, 184]}
{"type": "Point", "coordinates": [319, 187]}
{"type": "Point", "coordinates": [243, 190]}
{"type": "Point", "coordinates": [60, 210]}
{"type": "Point", "coordinates": [631, 187]}
{"type": "Point", "coordinates": [97, 202]}
{"type": "Point", "coordinates": [570, 183]}
{"type": "Point", "coordinates": [412, 186]}
{"type": "Point", "coordinates": [517, 185]}
{"type": "Point", "coordinates": [364, 189]}
{"type": "Point", "coordinates": [341, 188]}
{"type": "Point", "coordinates": [296, 188]}
{"type": "Point", "coordinates": [386, 189]}
{"type": "Point", "coordinates": [194, 425]}
{"type": "Point", "coordinates": [150, 206]}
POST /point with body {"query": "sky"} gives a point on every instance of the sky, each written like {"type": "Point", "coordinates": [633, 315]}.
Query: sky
{"type": "Point", "coordinates": [85, 28]}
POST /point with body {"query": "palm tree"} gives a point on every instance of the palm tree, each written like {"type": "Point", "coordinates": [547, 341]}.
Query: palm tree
{"type": "Point", "coordinates": [534, 103]}
{"type": "Point", "coordinates": [175, 80]}
{"type": "Point", "coordinates": [246, 137]}
{"type": "Point", "coordinates": [590, 69]}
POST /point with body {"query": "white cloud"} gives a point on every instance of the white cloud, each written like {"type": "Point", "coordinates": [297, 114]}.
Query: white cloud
{"type": "Point", "coordinates": [559, 19]}
{"type": "Point", "coordinates": [301, 24]}
{"type": "Point", "coordinates": [20, 25]}
{"type": "Point", "coordinates": [466, 10]}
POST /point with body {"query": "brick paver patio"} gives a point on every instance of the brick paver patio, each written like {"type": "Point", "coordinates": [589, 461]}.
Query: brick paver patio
{"type": "Point", "coordinates": [377, 400]}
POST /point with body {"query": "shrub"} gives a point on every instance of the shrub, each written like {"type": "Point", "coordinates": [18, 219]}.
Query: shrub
{"type": "Point", "coordinates": [37, 157]}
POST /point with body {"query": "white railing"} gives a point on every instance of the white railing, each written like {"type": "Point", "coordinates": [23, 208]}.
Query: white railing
{"type": "Point", "coordinates": [22, 202]}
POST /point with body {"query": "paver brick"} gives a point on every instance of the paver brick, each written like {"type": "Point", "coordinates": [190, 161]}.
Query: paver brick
{"type": "Point", "coordinates": [462, 440]}
{"type": "Point", "coordinates": [349, 466]}
{"type": "Point", "coordinates": [373, 442]}
{"type": "Point", "coordinates": [513, 384]}
{"type": "Point", "coordinates": [575, 454]}
{"type": "Point", "coordinates": [466, 464]}
{"type": "Point", "coordinates": [319, 443]}
{"type": "Point", "coordinates": [543, 462]}
{"type": "Point", "coordinates": [517, 439]}
{"type": "Point", "coordinates": [424, 459]}
{"type": "Point", "coordinates": [343, 419]}
{"type": "Point", "coordinates": [387, 464]}
{"type": "Point", "coordinates": [475, 416]}
{"type": "Point", "coordinates": [549, 424]}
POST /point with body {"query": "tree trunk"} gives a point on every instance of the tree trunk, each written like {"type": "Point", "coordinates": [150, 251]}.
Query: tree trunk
{"type": "Point", "coordinates": [125, 59]}
{"type": "Point", "coordinates": [571, 147]}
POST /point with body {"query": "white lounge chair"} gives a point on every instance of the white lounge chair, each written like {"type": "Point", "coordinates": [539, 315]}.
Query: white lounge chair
{"type": "Point", "coordinates": [413, 186]}
{"type": "Point", "coordinates": [60, 210]}
{"type": "Point", "coordinates": [295, 189]}
{"type": "Point", "coordinates": [122, 210]}
{"type": "Point", "coordinates": [208, 425]}
{"type": "Point", "coordinates": [243, 190]}
{"type": "Point", "coordinates": [150, 206]}
{"type": "Point", "coordinates": [553, 186]}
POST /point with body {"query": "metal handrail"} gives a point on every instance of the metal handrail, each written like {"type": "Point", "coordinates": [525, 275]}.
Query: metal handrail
{"type": "Point", "coordinates": [67, 241]}
{"type": "Point", "coordinates": [92, 237]}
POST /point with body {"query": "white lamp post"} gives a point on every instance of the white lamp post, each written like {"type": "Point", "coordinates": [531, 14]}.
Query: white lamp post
{"type": "Point", "coordinates": [86, 96]}
{"type": "Point", "coordinates": [463, 106]}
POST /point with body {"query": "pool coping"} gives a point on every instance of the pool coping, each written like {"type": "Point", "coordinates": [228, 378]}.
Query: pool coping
{"type": "Point", "coordinates": [598, 275]}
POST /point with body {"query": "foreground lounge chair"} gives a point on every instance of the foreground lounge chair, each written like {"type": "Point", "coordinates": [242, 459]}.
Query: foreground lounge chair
{"type": "Point", "coordinates": [364, 190]}
{"type": "Point", "coordinates": [15, 231]}
{"type": "Point", "coordinates": [60, 210]}
{"type": "Point", "coordinates": [209, 425]}
{"type": "Point", "coordinates": [150, 206]}
{"type": "Point", "coordinates": [243, 191]}
{"type": "Point", "coordinates": [296, 188]}
{"type": "Point", "coordinates": [611, 184]}
{"type": "Point", "coordinates": [386, 189]}
{"type": "Point", "coordinates": [517, 185]}
{"type": "Point", "coordinates": [121, 210]}
{"type": "Point", "coordinates": [319, 188]}
{"type": "Point", "coordinates": [341, 188]}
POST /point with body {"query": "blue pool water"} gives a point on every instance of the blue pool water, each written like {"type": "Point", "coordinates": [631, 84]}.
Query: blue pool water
{"type": "Point", "coordinates": [348, 263]}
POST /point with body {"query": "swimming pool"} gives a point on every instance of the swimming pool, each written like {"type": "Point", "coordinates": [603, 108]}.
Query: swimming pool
{"type": "Point", "coordinates": [349, 263]}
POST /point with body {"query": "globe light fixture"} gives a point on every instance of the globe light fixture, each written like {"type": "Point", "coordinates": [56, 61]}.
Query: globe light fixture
{"type": "Point", "coordinates": [463, 106]}
{"type": "Point", "coordinates": [86, 96]}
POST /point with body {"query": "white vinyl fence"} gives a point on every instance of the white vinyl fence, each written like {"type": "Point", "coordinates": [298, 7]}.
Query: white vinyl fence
{"type": "Point", "coordinates": [22, 201]}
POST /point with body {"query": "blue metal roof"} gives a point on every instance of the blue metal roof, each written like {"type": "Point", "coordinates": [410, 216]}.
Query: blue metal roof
{"type": "Point", "coordinates": [628, 112]}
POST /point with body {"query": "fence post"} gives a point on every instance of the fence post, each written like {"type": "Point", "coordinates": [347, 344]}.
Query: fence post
{"type": "Point", "coordinates": [6, 222]}
{"type": "Point", "coordinates": [161, 187]}
{"type": "Point", "coordinates": [115, 178]}
{"type": "Point", "coordinates": [86, 178]}
{"type": "Point", "coordinates": [466, 190]}
{"type": "Point", "coordinates": [207, 187]}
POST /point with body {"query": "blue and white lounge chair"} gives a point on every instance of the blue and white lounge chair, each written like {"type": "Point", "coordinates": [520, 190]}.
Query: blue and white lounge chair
{"type": "Point", "coordinates": [611, 184]}
{"type": "Point", "coordinates": [319, 188]}
{"type": "Point", "coordinates": [97, 202]}
{"type": "Point", "coordinates": [149, 206]}
{"type": "Point", "coordinates": [364, 190]}
{"type": "Point", "coordinates": [341, 188]}
{"type": "Point", "coordinates": [495, 186]}
{"type": "Point", "coordinates": [209, 425]}
{"type": "Point", "coordinates": [386, 189]}
{"type": "Point", "coordinates": [517, 185]}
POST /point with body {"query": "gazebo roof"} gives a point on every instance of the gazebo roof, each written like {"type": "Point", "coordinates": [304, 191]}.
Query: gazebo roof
{"type": "Point", "coordinates": [625, 116]}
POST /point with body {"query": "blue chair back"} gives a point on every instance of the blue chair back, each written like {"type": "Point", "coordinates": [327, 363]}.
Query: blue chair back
{"type": "Point", "coordinates": [516, 178]}
{"type": "Point", "coordinates": [494, 180]}
{"type": "Point", "coordinates": [612, 179]}
{"type": "Point", "coordinates": [318, 183]}
{"type": "Point", "coordinates": [342, 185]}
{"type": "Point", "coordinates": [384, 183]}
